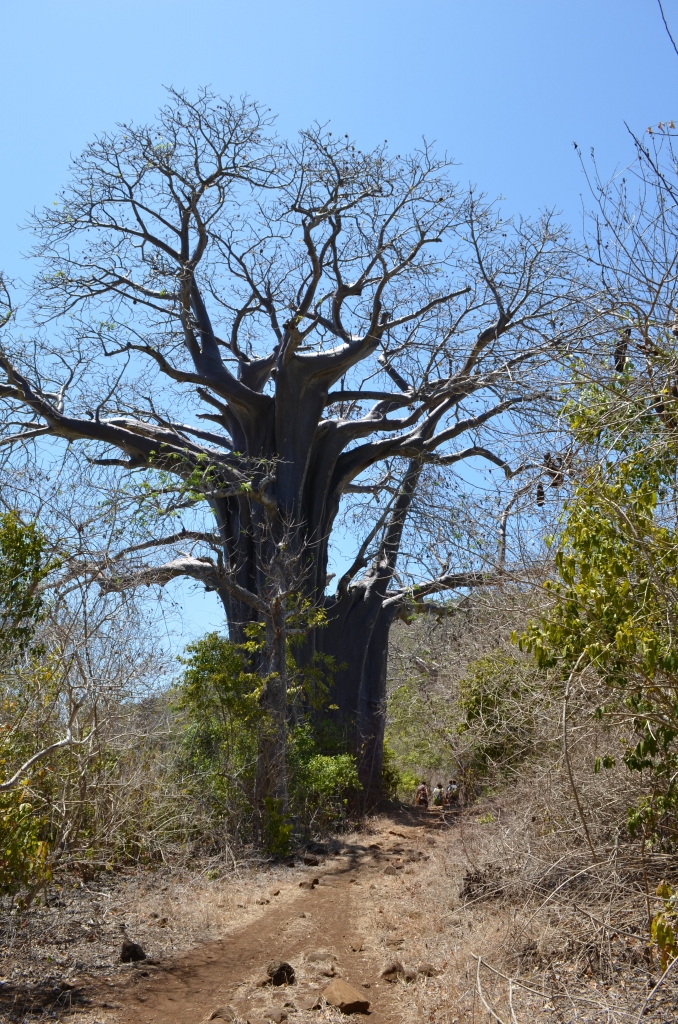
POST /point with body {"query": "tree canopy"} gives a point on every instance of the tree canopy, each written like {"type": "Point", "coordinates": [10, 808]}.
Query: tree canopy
{"type": "Point", "coordinates": [286, 332]}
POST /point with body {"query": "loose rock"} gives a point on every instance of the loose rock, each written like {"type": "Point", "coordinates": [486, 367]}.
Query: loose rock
{"type": "Point", "coordinates": [310, 884]}
{"type": "Point", "coordinates": [346, 998]}
{"type": "Point", "coordinates": [390, 870]}
{"type": "Point", "coordinates": [311, 860]}
{"type": "Point", "coordinates": [223, 1013]}
{"type": "Point", "coordinates": [131, 952]}
{"type": "Point", "coordinates": [280, 972]}
{"type": "Point", "coordinates": [307, 1001]}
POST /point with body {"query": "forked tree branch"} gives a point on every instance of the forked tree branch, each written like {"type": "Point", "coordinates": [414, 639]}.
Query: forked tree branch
{"type": "Point", "coordinates": [67, 741]}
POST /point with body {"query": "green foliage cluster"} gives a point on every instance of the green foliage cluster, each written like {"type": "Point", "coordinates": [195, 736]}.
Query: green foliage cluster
{"type": "Point", "coordinates": [219, 699]}
{"type": "Point", "coordinates": [322, 784]}
{"type": "Point", "coordinates": [614, 612]}
{"type": "Point", "coordinates": [22, 568]}
{"type": "Point", "coordinates": [664, 929]}
{"type": "Point", "coordinates": [393, 779]}
{"type": "Point", "coordinates": [497, 704]}
{"type": "Point", "coordinates": [24, 850]}
{"type": "Point", "coordinates": [29, 688]}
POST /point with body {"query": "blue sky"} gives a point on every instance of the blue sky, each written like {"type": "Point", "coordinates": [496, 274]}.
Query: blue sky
{"type": "Point", "coordinates": [505, 86]}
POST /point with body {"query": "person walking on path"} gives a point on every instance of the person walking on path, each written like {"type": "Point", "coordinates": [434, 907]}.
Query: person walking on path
{"type": "Point", "coordinates": [452, 793]}
{"type": "Point", "coordinates": [421, 796]}
{"type": "Point", "coordinates": [438, 795]}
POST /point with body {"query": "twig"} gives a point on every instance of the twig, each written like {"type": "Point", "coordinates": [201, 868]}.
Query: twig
{"type": "Point", "coordinates": [567, 759]}
{"type": "Point", "coordinates": [644, 1006]}
{"type": "Point", "coordinates": [557, 890]}
{"type": "Point", "coordinates": [609, 927]}
{"type": "Point", "coordinates": [646, 883]}
{"type": "Point", "coordinates": [513, 1014]}
{"type": "Point", "coordinates": [533, 991]}
{"type": "Point", "coordinates": [666, 26]}
{"type": "Point", "coordinates": [67, 741]}
{"type": "Point", "coordinates": [480, 993]}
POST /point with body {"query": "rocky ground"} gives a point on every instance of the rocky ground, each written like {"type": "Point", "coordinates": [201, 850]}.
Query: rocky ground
{"type": "Point", "coordinates": [418, 914]}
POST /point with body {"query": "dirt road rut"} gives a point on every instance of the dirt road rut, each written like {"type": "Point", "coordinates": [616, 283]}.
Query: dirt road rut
{"type": "Point", "coordinates": [323, 930]}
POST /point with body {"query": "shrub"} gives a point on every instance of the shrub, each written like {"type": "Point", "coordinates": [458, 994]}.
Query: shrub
{"type": "Point", "coordinates": [24, 849]}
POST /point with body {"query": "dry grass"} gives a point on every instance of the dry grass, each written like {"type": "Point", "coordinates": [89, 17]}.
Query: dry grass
{"type": "Point", "coordinates": [78, 933]}
{"type": "Point", "coordinates": [521, 924]}
{"type": "Point", "coordinates": [503, 900]}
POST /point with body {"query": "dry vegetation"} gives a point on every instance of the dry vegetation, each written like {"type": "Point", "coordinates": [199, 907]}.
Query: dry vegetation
{"type": "Point", "coordinates": [543, 881]}
{"type": "Point", "coordinates": [72, 939]}
{"type": "Point", "coordinates": [560, 939]}
{"type": "Point", "coordinates": [520, 918]}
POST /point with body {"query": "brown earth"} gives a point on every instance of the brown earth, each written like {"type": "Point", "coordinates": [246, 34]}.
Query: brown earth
{"type": "Point", "coordinates": [475, 914]}
{"type": "Point", "coordinates": [324, 931]}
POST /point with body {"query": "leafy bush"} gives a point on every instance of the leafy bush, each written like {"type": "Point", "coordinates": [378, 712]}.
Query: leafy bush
{"type": "Point", "coordinates": [277, 829]}
{"type": "Point", "coordinates": [394, 780]}
{"type": "Point", "coordinates": [218, 696]}
{"type": "Point", "coordinates": [614, 615]}
{"type": "Point", "coordinates": [24, 849]}
{"type": "Point", "coordinates": [22, 568]}
{"type": "Point", "coordinates": [496, 705]}
{"type": "Point", "coordinates": [321, 785]}
{"type": "Point", "coordinates": [30, 691]}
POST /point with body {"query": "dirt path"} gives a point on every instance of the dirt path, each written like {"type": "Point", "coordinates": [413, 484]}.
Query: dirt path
{"type": "Point", "coordinates": [324, 930]}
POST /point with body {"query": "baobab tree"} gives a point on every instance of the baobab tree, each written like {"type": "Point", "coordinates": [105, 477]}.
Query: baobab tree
{"type": "Point", "coordinates": [280, 328]}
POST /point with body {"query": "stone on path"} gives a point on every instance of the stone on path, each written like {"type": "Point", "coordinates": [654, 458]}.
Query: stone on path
{"type": "Point", "coordinates": [280, 972]}
{"type": "Point", "coordinates": [307, 1001]}
{"type": "Point", "coordinates": [131, 952]}
{"type": "Point", "coordinates": [346, 998]}
{"type": "Point", "coordinates": [276, 1015]}
{"type": "Point", "coordinates": [223, 1013]}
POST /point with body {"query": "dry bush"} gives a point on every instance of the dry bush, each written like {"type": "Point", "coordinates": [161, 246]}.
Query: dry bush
{"type": "Point", "coordinates": [463, 700]}
{"type": "Point", "coordinates": [541, 879]}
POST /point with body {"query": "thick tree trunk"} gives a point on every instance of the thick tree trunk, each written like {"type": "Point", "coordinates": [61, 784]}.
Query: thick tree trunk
{"type": "Point", "coordinates": [357, 638]}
